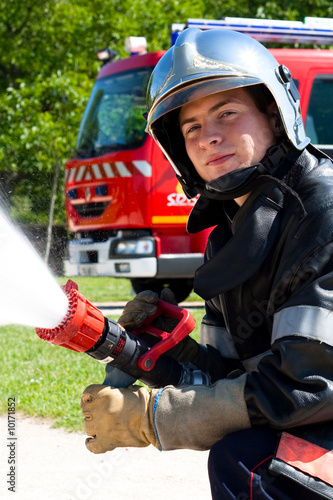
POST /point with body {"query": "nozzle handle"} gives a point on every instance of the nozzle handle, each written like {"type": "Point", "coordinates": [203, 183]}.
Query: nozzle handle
{"type": "Point", "coordinates": [186, 324]}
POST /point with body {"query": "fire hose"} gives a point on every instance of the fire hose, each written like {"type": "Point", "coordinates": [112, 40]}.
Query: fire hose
{"type": "Point", "coordinates": [127, 355]}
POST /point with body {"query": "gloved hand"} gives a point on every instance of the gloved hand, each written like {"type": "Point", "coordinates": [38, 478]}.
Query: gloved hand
{"type": "Point", "coordinates": [118, 417]}
{"type": "Point", "coordinates": [143, 306]}
{"type": "Point", "coordinates": [191, 417]}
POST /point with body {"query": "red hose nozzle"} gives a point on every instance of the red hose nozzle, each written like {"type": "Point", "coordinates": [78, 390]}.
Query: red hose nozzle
{"type": "Point", "coordinates": [82, 326]}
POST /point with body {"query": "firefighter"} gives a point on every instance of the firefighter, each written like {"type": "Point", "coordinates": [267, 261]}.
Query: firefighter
{"type": "Point", "coordinates": [227, 116]}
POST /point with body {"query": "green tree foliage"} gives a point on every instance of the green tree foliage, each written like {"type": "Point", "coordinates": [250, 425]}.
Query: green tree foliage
{"type": "Point", "coordinates": [48, 65]}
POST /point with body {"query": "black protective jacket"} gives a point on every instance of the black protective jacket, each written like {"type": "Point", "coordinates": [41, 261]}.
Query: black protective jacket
{"type": "Point", "coordinates": [268, 286]}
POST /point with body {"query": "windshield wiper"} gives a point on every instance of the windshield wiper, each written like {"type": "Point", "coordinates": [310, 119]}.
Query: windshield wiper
{"type": "Point", "coordinates": [89, 152]}
{"type": "Point", "coordinates": [111, 147]}
{"type": "Point", "coordinates": [85, 152]}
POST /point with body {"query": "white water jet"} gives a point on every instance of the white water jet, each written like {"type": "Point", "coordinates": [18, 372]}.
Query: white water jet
{"type": "Point", "coordinates": [29, 294]}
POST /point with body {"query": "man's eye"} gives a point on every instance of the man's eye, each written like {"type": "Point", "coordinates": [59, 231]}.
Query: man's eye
{"type": "Point", "coordinates": [192, 129]}
{"type": "Point", "coordinates": [225, 114]}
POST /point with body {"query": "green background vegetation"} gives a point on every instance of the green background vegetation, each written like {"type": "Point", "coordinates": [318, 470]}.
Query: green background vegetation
{"type": "Point", "coordinates": [48, 65]}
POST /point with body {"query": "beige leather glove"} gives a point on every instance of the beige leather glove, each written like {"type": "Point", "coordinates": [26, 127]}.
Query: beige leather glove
{"type": "Point", "coordinates": [191, 417]}
{"type": "Point", "coordinates": [196, 417]}
{"type": "Point", "coordinates": [118, 417]}
{"type": "Point", "coordinates": [143, 306]}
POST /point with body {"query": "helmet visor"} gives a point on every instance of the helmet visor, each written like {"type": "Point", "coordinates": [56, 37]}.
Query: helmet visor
{"type": "Point", "coordinates": [192, 91]}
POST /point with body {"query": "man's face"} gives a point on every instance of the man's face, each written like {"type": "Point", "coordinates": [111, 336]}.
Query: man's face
{"type": "Point", "coordinates": [226, 131]}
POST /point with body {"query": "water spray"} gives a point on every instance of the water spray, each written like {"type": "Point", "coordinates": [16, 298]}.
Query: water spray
{"type": "Point", "coordinates": [24, 279]}
{"type": "Point", "coordinates": [127, 355]}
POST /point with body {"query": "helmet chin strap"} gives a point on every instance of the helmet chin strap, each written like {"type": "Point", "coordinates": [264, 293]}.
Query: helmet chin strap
{"type": "Point", "coordinates": [241, 181]}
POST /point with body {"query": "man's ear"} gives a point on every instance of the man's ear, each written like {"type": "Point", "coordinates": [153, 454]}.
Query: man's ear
{"type": "Point", "coordinates": [275, 119]}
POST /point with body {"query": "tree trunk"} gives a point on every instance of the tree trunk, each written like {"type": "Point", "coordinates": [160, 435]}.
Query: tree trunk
{"type": "Point", "coordinates": [52, 203]}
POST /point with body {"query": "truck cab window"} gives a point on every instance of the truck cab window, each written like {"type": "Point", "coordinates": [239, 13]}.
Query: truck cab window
{"type": "Point", "coordinates": [318, 122]}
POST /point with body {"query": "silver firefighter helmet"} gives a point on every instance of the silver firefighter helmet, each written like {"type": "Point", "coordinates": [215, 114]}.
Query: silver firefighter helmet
{"type": "Point", "coordinates": [206, 62]}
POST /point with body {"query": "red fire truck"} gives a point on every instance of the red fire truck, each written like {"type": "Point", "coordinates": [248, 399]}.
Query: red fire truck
{"type": "Point", "coordinates": [123, 203]}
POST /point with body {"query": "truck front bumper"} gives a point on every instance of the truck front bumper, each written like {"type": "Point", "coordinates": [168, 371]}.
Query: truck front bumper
{"type": "Point", "coordinates": [124, 257]}
{"type": "Point", "coordinates": [116, 257]}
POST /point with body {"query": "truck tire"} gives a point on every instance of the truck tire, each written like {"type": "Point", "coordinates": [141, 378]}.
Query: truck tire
{"type": "Point", "coordinates": [181, 287]}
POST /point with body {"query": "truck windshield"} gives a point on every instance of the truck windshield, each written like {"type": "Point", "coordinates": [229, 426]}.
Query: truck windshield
{"type": "Point", "coordinates": [113, 119]}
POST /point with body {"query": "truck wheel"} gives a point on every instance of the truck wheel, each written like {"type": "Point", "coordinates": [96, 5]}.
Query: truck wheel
{"type": "Point", "coordinates": [181, 287]}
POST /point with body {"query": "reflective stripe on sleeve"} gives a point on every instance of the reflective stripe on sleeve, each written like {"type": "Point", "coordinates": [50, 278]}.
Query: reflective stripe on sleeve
{"type": "Point", "coordinates": [220, 338]}
{"type": "Point", "coordinates": [304, 321]}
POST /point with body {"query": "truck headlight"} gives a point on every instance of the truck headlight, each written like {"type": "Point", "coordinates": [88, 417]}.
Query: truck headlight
{"type": "Point", "coordinates": [132, 248]}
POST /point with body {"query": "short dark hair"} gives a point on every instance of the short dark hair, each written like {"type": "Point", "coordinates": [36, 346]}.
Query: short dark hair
{"type": "Point", "coordinates": [261, 96]}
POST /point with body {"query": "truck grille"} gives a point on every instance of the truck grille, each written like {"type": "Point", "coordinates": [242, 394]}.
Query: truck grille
{"type": "Point", "coordinates": [92, 209]}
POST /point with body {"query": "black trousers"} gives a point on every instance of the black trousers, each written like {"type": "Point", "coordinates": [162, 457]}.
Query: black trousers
{"type": "Point", "coordinates": [238, 469]}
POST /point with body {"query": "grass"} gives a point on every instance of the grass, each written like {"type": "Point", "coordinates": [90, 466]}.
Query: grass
{"type": "Point", "coordinates": [103, 289]}
{"type": "Point", "coordinates": [47, 381]}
